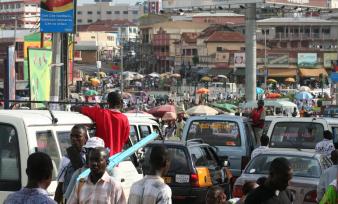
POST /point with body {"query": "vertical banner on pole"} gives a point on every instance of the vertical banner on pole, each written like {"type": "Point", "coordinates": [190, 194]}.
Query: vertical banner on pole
{"type": "Point", "coordinates": [39, 62]}
{"type": "Point", "coordinates": [10, 78]}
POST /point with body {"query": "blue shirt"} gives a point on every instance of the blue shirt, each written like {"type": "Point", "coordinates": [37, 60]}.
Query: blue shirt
{"type": "Point", "coordinates": [29, 196]}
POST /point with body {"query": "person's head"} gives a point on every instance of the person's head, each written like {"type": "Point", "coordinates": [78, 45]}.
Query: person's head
{"type": "Point", "coordinates": [92, 143]}
{"type": "Point", "coordinates": [248, 187]}
{"type": "Point", "coordinates": [216, 195]}
{"type": "Point", "coordinates": [327, 135]}
{"type": "Point", "coordinates": [264, 140]}
{"type": "Point", "coordinates": [39, 169]}
{"type": "Point", "coordinates": [180, 117]}
{"type": "Point", "coordinates": [280, 173]}
{"type": "Point", "coordinates": [261, 180]}
{"type": "Point", "coordinates": [260, 103]}
{"type": "Point", "coordinates": [114, 100]}
{"type": "Point", "coordinates": [78, 136]}
{"type": "Point", "coordinates": [98, 161]}
{"type": "Point", "coordinates": [159, 160]}
{"type": "Point", "coordinates": [334, 157]}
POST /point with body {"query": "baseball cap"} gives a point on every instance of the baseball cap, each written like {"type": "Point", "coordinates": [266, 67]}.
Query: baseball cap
{"type": "Point", "coordinates": [94, 142]}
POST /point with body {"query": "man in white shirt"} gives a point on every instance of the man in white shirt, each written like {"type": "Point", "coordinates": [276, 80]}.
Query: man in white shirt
{"type": "Point", "coordinates": [325, 146]}
{"type": "Point", "coordinates": [328, 176]}
{"type": "Point", "coordinates": [264, 146]}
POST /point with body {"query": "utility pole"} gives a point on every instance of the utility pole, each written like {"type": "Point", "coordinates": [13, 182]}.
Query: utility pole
{"type": "Point", "coordinates": [121, 75]}
{"type": "Point", "coordinates": [56, 65]}
{"type": "Point", "coordinates": [265, 61]}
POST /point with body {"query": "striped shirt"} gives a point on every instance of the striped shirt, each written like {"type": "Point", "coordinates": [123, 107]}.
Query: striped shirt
{"type": "Point", "coordinates": [150, 190]}
{"type": "Point", "coordinates": [106, 190]}
{"type": "Point", "coordinates": [29, 196]}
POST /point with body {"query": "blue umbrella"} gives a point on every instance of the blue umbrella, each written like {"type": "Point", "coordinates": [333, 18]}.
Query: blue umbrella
{"type": "Point", "coordinates": [259, 90]}
{"type": "Point", "coordinates": [303, 95]}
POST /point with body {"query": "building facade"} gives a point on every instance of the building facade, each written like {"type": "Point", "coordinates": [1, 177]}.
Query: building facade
{"type": "Point", "coordinates": [25, 12]}
{"type": "Point", "coordinates": [90, 13]}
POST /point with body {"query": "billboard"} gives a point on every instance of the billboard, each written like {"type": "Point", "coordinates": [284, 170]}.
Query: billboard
{"type": "Point", "coordinates": [57, 16]}
{"type": "Point", "coordinates": [278, 60]}
{"type": "Point", "coordinates": [222, 57]}
{"type": "Point", "coordinates": [239, 59]}
{"type": "Point", "coordinates": [39, 62]}
{"type": "Point", "coordinates": [328, 58]}
{"type": "Point", "coordinates": [175, 4]}
{"type": "Point", "coordinates": [307, 59]}
{"type": "Point", "coordinates": [10, 79]}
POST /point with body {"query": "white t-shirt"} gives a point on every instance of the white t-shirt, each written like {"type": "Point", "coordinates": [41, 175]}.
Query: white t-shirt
{"type": "Point", "coordinates": [325, 147]}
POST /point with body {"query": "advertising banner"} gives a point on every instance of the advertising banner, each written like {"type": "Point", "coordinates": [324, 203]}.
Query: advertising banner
{"type": "Point", "coordinates": [239, 59]}
{"type": "Point", "coordinates": [328, 58]}
{"type": "Point", "coordinates": [278, 60]}
{"type": "Point", "coordinates": [57, 16]}
{"type": "Point", "coordinates": [10, 79]}
{"type": "Point", "coordinates": [307, 59]}
{"type": "Point", "coordinates": [39, 61]}
{"type": "Point", "coordinates": [222, 57]}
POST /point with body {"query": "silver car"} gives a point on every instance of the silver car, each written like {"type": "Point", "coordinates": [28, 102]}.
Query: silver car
{"type": "Point", "coordinates": [307, 169]}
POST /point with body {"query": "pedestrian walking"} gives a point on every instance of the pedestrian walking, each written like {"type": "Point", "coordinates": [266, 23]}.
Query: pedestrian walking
{"type": "Point", "coordinates": [92, 143]}
{"type": "Point", "coordinates": [274, 189]}
{"type": "Point", "coordinates": [264, 146]}
{"type": "Point", "coordinates": [258, 118]}
{"type": "Point", "coordinates": [73, 160]}
{"type": "Point", "coordinates": [39, 171]}
{"type": "Point", "coordinates": [180, 125]}
{"type": "Point", "coordinates": [328, 176]}
{"type": "Point", "coordinates": [152, 189]}
{"type": "Point", "coordinates": [216, 195]}
{"type": "Point", "coordinates": [98, 187]}
{"type": "Point", "coordinates": [325, 146]}
{"type": "Point", "coordinates": [111, 125]}
{"type": "Point", "coordinates": [170, 129]}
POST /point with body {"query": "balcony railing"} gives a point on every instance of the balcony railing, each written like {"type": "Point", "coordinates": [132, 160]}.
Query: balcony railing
{"type": "Point", "coordinates": [296, 36]}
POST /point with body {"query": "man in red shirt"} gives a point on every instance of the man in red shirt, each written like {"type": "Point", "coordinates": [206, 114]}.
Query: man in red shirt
{"type": "Point", "coordinates": [111, 125]}
{"type": "Point", "coordinates": [258, 118]}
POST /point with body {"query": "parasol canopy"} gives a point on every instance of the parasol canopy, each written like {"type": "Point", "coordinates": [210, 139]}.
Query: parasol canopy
{"type": "Point", "coordinates": [303, 95]}
{"type": "Point", "coordinates": [154, 75]}
{"type": "Point", "coordinates": [271, 81]}
{"type": "Point", "coordinates": [202, 110]}
{"type": "Point", "coordinates": [90, 92]}
{"type": "Point", "coordinates": [159, 111]}
{"type": "Point", "coordinates": [176, 75]}
{"type": "Point", "coordinates": [225, 107]}
{"type": "Point", "coordinates": [259, 90]}
{"type": "Point", "coordinates": [222, 76]}
{"type": "Point", "coordinates": [95, 82]}
{"type": "Point", "coordinates": [168, 116]}
{"type": "Point", "coordinates": [202, 91]}
{"type": "Point", "coordinates": [273, 95]}
{"type": "Point", "coordinates": [290, 80]}
{"type": "Point", "coordinates": [304, 88]}
{"type": "Point", "coordinates": [102, 74]}
{"type": "Point", "coordinates": [206, 79]}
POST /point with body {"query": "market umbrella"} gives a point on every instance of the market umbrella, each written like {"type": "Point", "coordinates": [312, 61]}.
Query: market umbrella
{"type": "Point", "coordinates": [202, 110]}
{"type": "Point", "coordinates": [273, 95]}
{"type": "Point", "coordinates": [95, 82]}
{"type": "Point", "coordinates": [290, 80]}
{"type": "Point", "coordinates": [303, 95]}
{"type": "Point", "coordinates": [169, 116]}
{"type": "Point", "coordinates": [138, 76]}
{"type": "Point", "coordinates": [176, 75]}
{"type": "Point", "coordinates": [202, 91]}
{"type": "Point", "coordinates": [165, 75]}
{"type": "Point", "coordinates": [102, 74]}
{"type": "Point", "coordinates": [259, 90]}
{"type": "Point", "coordinates": [154, 75]}
{"type": "Point", "coordinates": [225, 107]}
{"type": "Point", "coordinates": [222, 76]}
{"type": "Point", "coordinates": [159, 111]}
{"type": "Point", "coordinates": [304, 88]}
{"type": "Point", "coordinates": [271, 81]}
{"type": "Point", "coordinates": [206, 79]}
{"type": "Point", "coordinates": [90, 92]}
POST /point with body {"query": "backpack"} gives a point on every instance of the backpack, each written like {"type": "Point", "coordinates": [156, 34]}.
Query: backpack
{"type": "Point", "coordinates": [75, 163]}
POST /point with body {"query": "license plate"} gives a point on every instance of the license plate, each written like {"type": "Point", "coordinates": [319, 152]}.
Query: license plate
{"type": "Point", "coordinates": [167, 180]}
{"type": "Point", "coordinates": [182, 178]}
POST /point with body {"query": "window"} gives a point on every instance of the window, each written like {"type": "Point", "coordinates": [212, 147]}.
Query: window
{"type": "Point", "coordinates": [47, 144]}
{"type": "Point", "coordinates": [98, 12]}
{"type": "Point", "coordinates": [116, 12]}
{"type": "Point", "coordinates": [6, 6]}
{"type": "Point", "coordinates": [79, 20]}
{"type": "Point", "coordinates": [33, 5]}
{"type": "Point", "coordinates": [302, 135]}
{"type": "Point", "coordinates": [125, 12]}
{"type": "Point", "coordinates": [18, 5]}
{"type": "Point", "coordinates": [198, 156]}
{"type": "Point", "coordinates": [12, 6]}
{"type": "Point", "coordinates": [89, 12]}
{"type": "Point", "coordinates": [9, 159]}
{"type": "Point", "coordinates": [326, 30]}
{"type": "Point", "coordinates": [133, 134]}
{"type": "Point", "coordinates": [130, 30]}
{"type": "Point", "coordinates": [220, 133]}
{"type": "Point", "coordinates": [64, 141]}
{"type": "Point", "coordinates": [145, 130]}
{"type": "Point", "coordinates": [1, 7]}
{"type": "Point", "coordinates": [92, 37]}
{"type": "Point", "coordinates": [135, 12]}
{"type": "Point", "coordinates": [89, 21]}
{"type": "Point", "coordinates": [108, 12]}
{"type": "Point", "coordinates": [219, 49]}
{"type": "Point", "coordinates": [79, 12]}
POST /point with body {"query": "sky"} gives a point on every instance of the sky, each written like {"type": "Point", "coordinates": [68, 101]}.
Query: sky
{"type": "Point", "coordinates": [114, 1]}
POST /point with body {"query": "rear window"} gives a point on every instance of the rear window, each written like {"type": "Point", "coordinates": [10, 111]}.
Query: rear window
{"type": "Point", "coordinates": [215, 133]}
{"type": "Point", "coordinates": [300, 135]}
{"type": "Point", "coordinates": [178, 161]}
{"type": "Point", "coordinates": [301, 166]}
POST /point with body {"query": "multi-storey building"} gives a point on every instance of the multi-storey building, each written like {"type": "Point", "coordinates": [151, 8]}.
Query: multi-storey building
{"type": "Point", "coordinates": [90, 13]}
{"type": "Point", "coordinates": [25, 12]}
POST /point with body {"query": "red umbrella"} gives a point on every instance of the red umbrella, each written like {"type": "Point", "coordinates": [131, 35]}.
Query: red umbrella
{"type": "Point", "coordinates": [159, 111]}
{"type": "Point", "coordinates": [273, 95]}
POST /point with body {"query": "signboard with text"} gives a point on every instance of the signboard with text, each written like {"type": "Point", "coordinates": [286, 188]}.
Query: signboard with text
{"type": "Point", "coordinates": [278, 60]}
{"type": "Point", "coordinates": [57, 16]}
{"type": "Point", "coordinates": [329, 58]}
{"type": "Point", "coordinates": [10, 76]}
{"type": "Point", "coordinates": [307, 59]}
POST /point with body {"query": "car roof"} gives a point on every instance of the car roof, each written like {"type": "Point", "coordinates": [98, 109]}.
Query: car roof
{"type": "Point", "coordinates": [177, 143]}
{"type": "Point", "coordinates": [290, 152]}
{"type": "Point", "coordinates": [298, 119]}
{"type": "Point", "coordinates": [219, 117]}
{"type": "Point", "coordinates": [141, 120]}
{"type": "Point", "coordinates": [43, 117]}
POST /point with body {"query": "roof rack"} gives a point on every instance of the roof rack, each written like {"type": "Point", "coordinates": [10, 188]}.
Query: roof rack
{"type": "Point", "coordinates": [197, 140]}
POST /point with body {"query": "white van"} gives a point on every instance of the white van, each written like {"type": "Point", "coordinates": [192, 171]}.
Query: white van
{"type": "Point", "coordinates": [23, 132]}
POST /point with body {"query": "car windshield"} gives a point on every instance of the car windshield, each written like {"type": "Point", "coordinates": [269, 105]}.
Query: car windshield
{"type": "Point", "coordinates": [301, 166]}
{"type": "Point", "coordinates": [300, 135]}
{"type": "Point", "coordinates": [216, 133]}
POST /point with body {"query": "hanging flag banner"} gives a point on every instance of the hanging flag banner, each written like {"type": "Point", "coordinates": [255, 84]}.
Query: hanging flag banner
{"type": "Point", "coordinates": [57, 16]}
{"type": "Point", "coordinates": [10, 79]}
{"type": "Point", "coordinates": [39, 63]}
